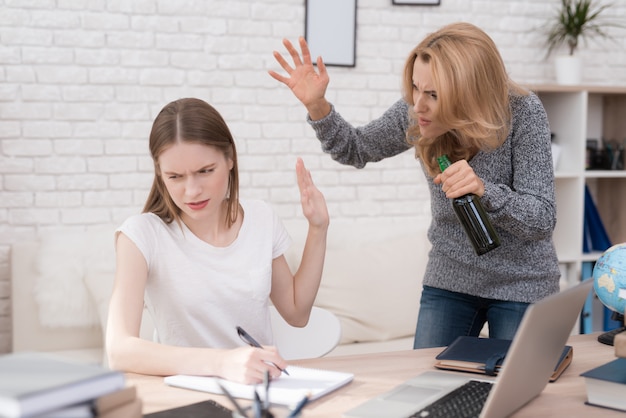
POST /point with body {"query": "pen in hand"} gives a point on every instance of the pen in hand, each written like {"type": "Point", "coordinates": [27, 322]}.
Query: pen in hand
{"type": "Point", "coordinates": [252, 342]}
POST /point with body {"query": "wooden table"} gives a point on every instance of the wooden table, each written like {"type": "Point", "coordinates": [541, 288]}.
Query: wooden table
{"type": "Point", "coordinates": [378, 373]}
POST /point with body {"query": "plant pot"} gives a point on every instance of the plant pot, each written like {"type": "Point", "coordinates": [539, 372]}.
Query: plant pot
{"type": "Point", "coordinates": [568, 69]}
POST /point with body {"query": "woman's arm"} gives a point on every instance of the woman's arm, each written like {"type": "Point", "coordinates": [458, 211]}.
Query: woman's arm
{"type": "Point", "coordinates": [293, 295]}
{"type": "Point", "coordinates": [526, 208]}
{"type": "Point", "coordinates": [128, 352]}
{"type": "Point", "coordinates": [379, 139]}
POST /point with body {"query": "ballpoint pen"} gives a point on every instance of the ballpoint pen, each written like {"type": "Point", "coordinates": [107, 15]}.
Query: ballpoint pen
{"type": "Point", "coordinates": [266, 385]}
{"type": "Point", "coordinates": [296, 411]}
{"type": "Point", "coordinates": [258, 408]}
{"type": "Point", "coordinates": [252, 342]}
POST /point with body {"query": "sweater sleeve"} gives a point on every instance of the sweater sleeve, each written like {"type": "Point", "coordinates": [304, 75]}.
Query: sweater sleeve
{"type": "Point", "coordinates": [379, 139]}
{"type": "Point", "coordinates": [527, 207]}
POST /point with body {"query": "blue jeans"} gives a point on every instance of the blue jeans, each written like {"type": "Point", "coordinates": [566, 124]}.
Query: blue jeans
{"type": "Point", "coordinates": [445, 315]}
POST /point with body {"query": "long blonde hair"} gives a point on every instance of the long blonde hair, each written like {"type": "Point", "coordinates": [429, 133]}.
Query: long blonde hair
{"type": "Point", "coordinates": [190, 120]}
{"type": "Point", "coordinates": [472, 88]}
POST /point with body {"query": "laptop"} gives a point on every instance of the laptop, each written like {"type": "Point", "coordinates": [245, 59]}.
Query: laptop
{"type": "Point", "coordinates": [538, 343]}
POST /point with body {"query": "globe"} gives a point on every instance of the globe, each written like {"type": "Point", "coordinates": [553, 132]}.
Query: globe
{"type": "Point", "coordinates": [609, 278]}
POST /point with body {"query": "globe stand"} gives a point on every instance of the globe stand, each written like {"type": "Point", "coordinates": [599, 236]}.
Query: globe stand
{"type": "Point", "coordinates": [608, 337]}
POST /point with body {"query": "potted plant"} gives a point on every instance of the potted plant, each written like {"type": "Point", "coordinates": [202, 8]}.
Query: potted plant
{"type": "Point", "coordinates": [575, 21]}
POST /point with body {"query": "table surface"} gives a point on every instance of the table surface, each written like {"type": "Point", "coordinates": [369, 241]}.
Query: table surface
{"type": "Point", "coordinates": [378, 373]}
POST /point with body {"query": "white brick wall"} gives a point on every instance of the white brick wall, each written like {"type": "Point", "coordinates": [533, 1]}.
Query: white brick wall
{"type": "Point", "coordinates": [81, 80]}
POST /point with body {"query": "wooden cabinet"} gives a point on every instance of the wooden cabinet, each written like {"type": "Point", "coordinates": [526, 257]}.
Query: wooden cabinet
{"type": "Point", "coordinates": [576, 114]}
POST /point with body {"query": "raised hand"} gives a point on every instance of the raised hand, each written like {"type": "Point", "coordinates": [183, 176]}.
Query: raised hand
{"type": "Point", "coordinates": [312, 200]}
{"type": "Point", "coordinates": [307, 84]}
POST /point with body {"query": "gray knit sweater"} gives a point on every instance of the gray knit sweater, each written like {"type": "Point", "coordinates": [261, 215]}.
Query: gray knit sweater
{"type": "Point", "coordinates": [519, 197]}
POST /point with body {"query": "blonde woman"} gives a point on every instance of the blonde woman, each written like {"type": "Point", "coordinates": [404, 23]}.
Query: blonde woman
{"type": "Point", "coordinates": [458, 100]}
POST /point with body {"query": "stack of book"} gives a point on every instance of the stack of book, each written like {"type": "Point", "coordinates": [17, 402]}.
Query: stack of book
{"type": "Point", "coordinates": [606, 384]}
{"type": "Point", "coordinates": [36, 385]}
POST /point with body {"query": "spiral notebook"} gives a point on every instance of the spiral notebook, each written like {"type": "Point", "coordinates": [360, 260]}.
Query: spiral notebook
{"type": "Point", "coordinates": [286, 390]}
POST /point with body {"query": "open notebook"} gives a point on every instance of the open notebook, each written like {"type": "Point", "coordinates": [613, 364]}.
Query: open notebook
{"type": "Point", "coordinates": [286, 390]}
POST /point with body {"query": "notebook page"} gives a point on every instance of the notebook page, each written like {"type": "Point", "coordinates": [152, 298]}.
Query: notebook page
{"type": "Point", "coordinates": [286, 390]}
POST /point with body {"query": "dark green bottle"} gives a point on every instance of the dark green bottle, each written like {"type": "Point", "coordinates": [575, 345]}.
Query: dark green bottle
{"type": "Point", "coordinates": [470, 211]}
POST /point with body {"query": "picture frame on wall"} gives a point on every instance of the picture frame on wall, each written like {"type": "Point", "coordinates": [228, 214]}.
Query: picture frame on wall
{"type": "Point", "coordinates": [417, 2]}
{"type": "Point", "coordinates": [330, 31]}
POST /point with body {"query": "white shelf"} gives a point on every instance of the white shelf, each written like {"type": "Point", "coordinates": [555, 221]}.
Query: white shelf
{"type": "Point", "coordinates": [609, 174]}
{"type": "Point", "coordinates": [592, 256]}
{"type": "Point", "coordinates": [591, 174]}
{"type": "Point", "coordinates": [566, 175]}
{"type": "Point", "coordinates": [577, 113]}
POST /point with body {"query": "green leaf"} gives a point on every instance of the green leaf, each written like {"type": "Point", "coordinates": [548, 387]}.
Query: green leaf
{"type": "Point", "coordinates": [578, 20]}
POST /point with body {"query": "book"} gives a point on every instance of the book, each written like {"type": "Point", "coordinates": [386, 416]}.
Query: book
{"type": "Point", "coordinates": [619, 342]}
{"type": "Point", "coordinates": [285, 390]}
{"type": "Point", "coordinates": [35, 383]}
{"type": "Point", "coordinates": [132, 409]}
{"type": "Point", "coordinates": [204, 409]}
{"type": "Point", "coordinates": [606, 385]}
{"type": "Point", "coordinates": [119, 404]}
{"type": "Point", "coordinates": [487, 356]}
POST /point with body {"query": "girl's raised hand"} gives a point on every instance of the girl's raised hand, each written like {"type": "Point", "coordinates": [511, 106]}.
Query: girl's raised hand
{"type": "Point", "coordinates": [312, 200]}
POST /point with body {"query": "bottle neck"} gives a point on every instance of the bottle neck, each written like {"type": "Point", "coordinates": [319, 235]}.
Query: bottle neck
{"type": "Point", "coordinates": [444, 162]}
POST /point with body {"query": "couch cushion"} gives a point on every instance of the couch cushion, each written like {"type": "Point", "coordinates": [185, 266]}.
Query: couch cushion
{"type": "Point", "coordinates": [372, 277]}
{"type": "Point", "coordinates": [61, 296]}
{"type": "Point", "coordinates": [100, 276]}
{"type": "Point", "coordinates": [398, 344]}
{"type": "Point", "coordinates": [61, 290]}
{"type": "Point", "coordinates": [65, 258]}
{"type": "Point", "coordinates": [28, 332]}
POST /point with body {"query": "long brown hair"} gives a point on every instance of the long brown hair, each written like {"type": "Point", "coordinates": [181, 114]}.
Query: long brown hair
{"type": "Point", "coordinates": [190, 120]}
{"type": "Point", "coordinates": [472, 88]}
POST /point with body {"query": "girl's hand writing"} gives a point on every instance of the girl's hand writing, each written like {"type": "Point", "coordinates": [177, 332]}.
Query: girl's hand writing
{"type": "Point", "coordinates": [248, 364]}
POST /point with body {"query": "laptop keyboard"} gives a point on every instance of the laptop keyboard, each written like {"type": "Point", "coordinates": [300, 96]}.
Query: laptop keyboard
{"type": "Point", "coordinates": [466, 401]}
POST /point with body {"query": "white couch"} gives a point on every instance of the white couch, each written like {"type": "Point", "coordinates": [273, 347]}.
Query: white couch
{"type": "Point", "coordinates": [372, 282]}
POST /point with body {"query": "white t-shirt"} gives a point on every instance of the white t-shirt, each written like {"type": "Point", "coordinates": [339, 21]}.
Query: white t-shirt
{"type": "Point", "coordinates": [198, 294]}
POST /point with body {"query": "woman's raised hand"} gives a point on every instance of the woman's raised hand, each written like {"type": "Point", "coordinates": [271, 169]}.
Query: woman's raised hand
{"type": "Point", "coordinates": [307, 84]}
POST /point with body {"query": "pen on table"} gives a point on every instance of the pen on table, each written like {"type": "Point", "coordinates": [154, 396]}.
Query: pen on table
{"type": "Point", "coordinates": [238, 407]}
{"type": "Point", "coordinates": [251, 341]}
{"type": "Point", "coordinates": [266, 384]}
{"type": "Point", "coordinates": [258, 409]}
{"type": "Point", "coordinates": [296, 411]}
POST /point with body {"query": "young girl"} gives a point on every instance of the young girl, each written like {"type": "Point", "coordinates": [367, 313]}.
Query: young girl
{"type": "Point", "coordinates": [204, 262]}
